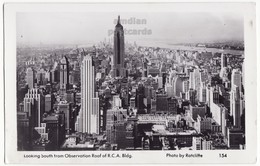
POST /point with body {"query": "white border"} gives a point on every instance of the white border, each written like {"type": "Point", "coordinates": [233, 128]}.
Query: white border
{"type": "Point", "coordinates": [234, 156]}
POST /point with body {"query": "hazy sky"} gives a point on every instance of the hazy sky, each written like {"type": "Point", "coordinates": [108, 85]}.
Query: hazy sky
{"type": "Point", "coordinates": [86, 28]}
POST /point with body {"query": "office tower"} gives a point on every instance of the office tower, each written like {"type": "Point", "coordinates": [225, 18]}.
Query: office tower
{"type": "Point", "coordinates": [208, 94]}
{"type": "Point", "coordinates": [24, 135]}
{"type": "Point", "coordinates": [41, 79]}
{"type": "Point", "coordinates": [215, 95]}
{"type": "Point", "coordinates": [144, 68]}
{"type": "Point", "coordinates": [140, 95]}
{"type": "Point", "coordinates": [161, 103]}
{"type": "Point", "coordinates": [131, 132]}
{"type": "Point", "coordinates": [34, 106]}
{"type": "Point", "coordinates": [203, 93]}
{"type": "Point", "coordinates": [223, 74]}
{"type": "Point", "coordinates": [206, 144]}
{"type": "Point", "coordinates": [71, 78]}
{"type": "Point", "coordinates": [159, 81]}
{"type": "Point", "coordinates": [66, 108]}
{"type": "Point", "coordinates": [153, 105]}
{"type": "Point", "coordinates": [191, 80]}
{"type": "Point", "coordinates": [185, 86]}
{"type": "Point", "coordinates": [197, 143]}
{"type": "Point", "coordinates": [172, 105]}
{"type": "Point", "coordinates": [235, 138]}
{"type": "Point", "coordinates": [42, 131]}
{"type": "Point", "coordinates": [30, 77]}
{"type": "Point", "coordinates": [198, 110]}
{"type": "Point", "coordinates": [178, 86]}
{"type": "Point", "coordinates": [88, 119]}
{"type": "Point", "coordinates": [169, 90]}
{"type": "Point", "coordinates": [236, 79]}
{"type": "Point", "coordinates": [203, 75]}
{"type": "Point", "coordinates": [64, 75]}
{"type": "Point", "coordinates": [48, 103]}
{"type": "Point", "coordinates": [75, 73]}
{"type": "Point", "coordinates": [162, 69]}
{"type": "Point", "coordinates": [56, 129]}
{"type": "Point", "coordinates": [243, 73]}
{"type": "Point", "coordinates": [119, 50]}
{"type": "Point", "coordinates": [235, 106]}
{"type": "Point", "coordinates": [55, 72]}
{"type": "Point", "coordinates": [197, 80]}
{"type": "Point", "coordinates": [132, 102]}
{"type": "Point", "coordinates": [117, 102]}
{"type": "Point", "coordinates": [116, 126]}
{"type": "Point", "coordinates": [125, 97]}
{"type": "Point", "coordinates": [147, 91]}
{"type": "Point", "coordinates": [164, 76]}
{"type": "Point", "coordinates": [48, 76]}
{"type": "Point", "coordinates": [192, 96]}
{"type": "Point", "coordinates": [95, 115]}
{"type": "Point", "coordinates": [223, 61]}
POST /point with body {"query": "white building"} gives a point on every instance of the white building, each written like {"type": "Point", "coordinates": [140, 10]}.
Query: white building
{"type": "Point", "coordinates": [169, 90]}
{"type": "Point", "coordinates": [236, 79]}
{"type": "Point", "coordinates": [30, 77]}
{"type": "Point", "coordinates": [206, 145]}
{"type": "Point", "coordinates": [235, 105]}
{"type": "Point", "coordinates": [88, 118]}
{"type": "Point", "coordinates": [34, 105]}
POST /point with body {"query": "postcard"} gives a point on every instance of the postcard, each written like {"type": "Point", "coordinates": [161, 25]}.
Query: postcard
{"type": "Point", "coordinates": [130, 83]}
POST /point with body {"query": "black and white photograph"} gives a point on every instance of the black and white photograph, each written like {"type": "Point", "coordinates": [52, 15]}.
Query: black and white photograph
{"type": "Point", "coordinates": [174, 82]}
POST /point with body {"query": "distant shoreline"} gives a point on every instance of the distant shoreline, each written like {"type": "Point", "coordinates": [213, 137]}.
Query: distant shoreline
{"type": "Point", "coordinates": [194, 48]}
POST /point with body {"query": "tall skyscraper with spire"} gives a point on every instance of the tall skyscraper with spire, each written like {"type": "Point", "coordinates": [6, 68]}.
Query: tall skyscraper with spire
{"type": "Point", "coordinates": [64, 75]}
{"type": "Point", "coordinates": [119, 50]}
{"type": "Point", "coordinates": [88, 118]}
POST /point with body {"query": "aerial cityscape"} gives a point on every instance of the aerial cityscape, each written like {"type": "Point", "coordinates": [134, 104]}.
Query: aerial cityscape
{"type": "Point", "coordinates": [119, 95]}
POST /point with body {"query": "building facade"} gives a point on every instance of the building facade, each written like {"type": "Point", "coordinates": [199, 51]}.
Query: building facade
{"type": "Point", "coordinates": [88, 119]}
{"type": "Point", "coordinates": [119, 50]}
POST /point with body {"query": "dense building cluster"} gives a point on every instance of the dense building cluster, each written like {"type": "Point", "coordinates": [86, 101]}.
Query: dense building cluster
{"type": "Point", "coordinates": [122, 96]}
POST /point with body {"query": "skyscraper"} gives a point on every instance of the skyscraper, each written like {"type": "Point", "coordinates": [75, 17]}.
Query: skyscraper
{"type": "Point", "coordinates": [191, 80]}
{"type": "Point", "coordinates": [30, 76]}
{"type": "Point", "coordinates": [55, 126]}
{"type": "Point", "coordinates": [66, 108]}
{"type": "Point", "coordinates": [197, 80]}
{"type": "Point", "coordinates": [169, 90]}
{"type": "Point", "coordinates": [88, 119]}
{"type": "Point", "coordinates": [119, 50]}
{"type": "Point", "coordinates": [236, 79]}
{"type": "Point", "coordinates": [55, 72]}
{"type": "Point", "coordinates": [223, 61]}
{"type": "Point", "coordinates": [178, 86]}
{"type": "Point", "coordinates": [64, 74]}
{"type": "Point", "coordinates": [116, 126]}
{"type": "Point", "coordinates": [41, 79]}
{"type": "Point", "coordinates": [48, 102]}
{"type": "Point", "coordinates": [192, 96]}
{"type": "Point", "coordinates": [235, 105]}
{"type": "Point", "coordinates": [34, 106]}
{"type": "Point", "coordinates": [185, 86]}
{"type": "Point", "coordinates": [203, 93]}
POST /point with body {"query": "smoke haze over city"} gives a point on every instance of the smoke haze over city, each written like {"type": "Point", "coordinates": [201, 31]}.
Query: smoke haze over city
{"type": "Point", "coordinates": [90, 28]}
